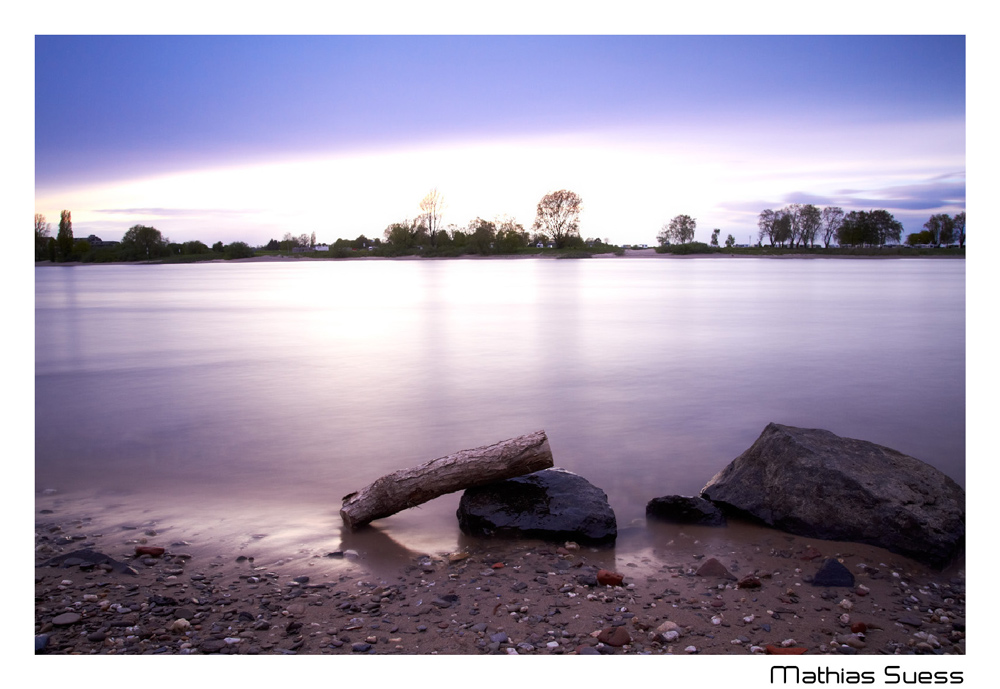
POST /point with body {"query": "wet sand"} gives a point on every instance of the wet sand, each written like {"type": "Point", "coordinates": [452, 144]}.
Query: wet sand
{"type": "Point", "coordinates": [365, 594]}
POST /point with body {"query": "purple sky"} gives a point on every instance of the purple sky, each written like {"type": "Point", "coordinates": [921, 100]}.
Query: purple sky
{"type": "Point", "coordinates": [246, 138]}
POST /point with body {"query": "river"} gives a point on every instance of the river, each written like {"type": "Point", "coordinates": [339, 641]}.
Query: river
{"type": "Point", "coordinates": [243, 400]}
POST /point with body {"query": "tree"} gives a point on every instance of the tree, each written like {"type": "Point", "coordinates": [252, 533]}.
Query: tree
{"type": "Point", "coordinates": [869, 228]}
{"type": "Point", "coordinates": [558, 216]}
{"type": "Point", "coordinates": [832, 217]}
{"type": "Point", "coordinates": [143, 243]}
{"type": "Point", "coordinates": [510, 237]}
{"type": "Point", "coordinates": [810, 220]}
{"type": "Point", "coordinates": [960, 228]}
{"type": "Point", "coordinates": [64, 239]}
{"type": "Point", "coordinates": [404, 236]}
{"type": "Point", "coordinates": [935, 225]}
{"type": "Point", "coordinates": [217, 247]}
{"type": "Point", "coordinates": [238, 250]}
{"type": "Point", "coordinates": [431, 209]}
{"type": "Point", "coordinates": [793, 231]}
{"type": "Point", "coordinates": [196, 247]}
{"type": "Point", "coordinates": [715, 236]}
{"type": "Point", "coordinates": [886, 228]}
{"type": "Point", "coordinates": [482, 235]}
{"type": "Point", "coordinates": [42, 231]}
{"type": "Point", "coordinates": [784, 230]}
{"type": "Point", "coordinates": [680, 230]}
{"type": "Point", "coordinates": [765, 224]}
{"type": "Point", "coordinates": [730, 241]}
{"type": "Point", "coordinates": [918, 238]}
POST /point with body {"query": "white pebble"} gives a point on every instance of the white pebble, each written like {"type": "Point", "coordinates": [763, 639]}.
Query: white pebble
{"type": "Point", "coordinates": [846, 604]}
{"type": "Point", "coordinates": [690, 649]}
{"type": "Point", "coordinates": [748, 619]}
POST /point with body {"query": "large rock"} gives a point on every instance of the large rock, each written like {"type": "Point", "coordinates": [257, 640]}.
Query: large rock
{"type": "Point", "coordinates": [554, 505]}
{"type": "Point", "coordinates": [813, 483]}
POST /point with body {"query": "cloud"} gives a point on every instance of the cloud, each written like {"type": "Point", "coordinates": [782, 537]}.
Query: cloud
{"type": "Point", "coordinates": [175, 212]}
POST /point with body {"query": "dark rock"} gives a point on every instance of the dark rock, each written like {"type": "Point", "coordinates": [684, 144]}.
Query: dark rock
{"type": "Point", "coordinates": [678, 509]}
{"type": "Point", "coordinates": [553, 504]}
{"type": "Point", "coordinates": [813, 483]}
{"type": "Point", "coordinates": [41, 641]}
{"type": "Point", "coordinates": [713, 569]}
{"type": "Point", "coordinates": [66, 619]}
{"type": "Point", "coordinates": [749, 582]}
{"type": "Point", "coordinates": [361, 647]}
{"type": "Point", "coordinates": [91, 557]}
{"type": "Point", "coordinates": [832, 573]}
{"type": "Point", "coordinates": [212, 645]}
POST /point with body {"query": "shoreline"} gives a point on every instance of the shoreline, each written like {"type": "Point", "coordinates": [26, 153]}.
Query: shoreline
{"type": "Point", "coordinates": [629, 254]}
{"type": "Point", "coordinates": [483, 597]}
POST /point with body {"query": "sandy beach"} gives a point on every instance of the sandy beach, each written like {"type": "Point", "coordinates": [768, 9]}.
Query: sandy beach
{"type": "Point", "coordinates": [164, 591]}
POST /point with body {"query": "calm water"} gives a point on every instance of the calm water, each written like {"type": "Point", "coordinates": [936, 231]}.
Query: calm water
{"type": "Point", "coordinates": [251, 397]}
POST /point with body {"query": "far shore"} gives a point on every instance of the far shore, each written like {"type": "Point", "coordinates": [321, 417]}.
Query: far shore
{"type": "Point", "coordinates": [629, 254]}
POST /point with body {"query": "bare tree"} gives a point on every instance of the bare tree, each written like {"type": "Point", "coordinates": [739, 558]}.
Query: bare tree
{"type": "Point", "coordinates": [558, 216]}
{"type": "Point", "coordinates": [833, 218]}
{"type": "Point", "coordinates": [432, 209]}
{"type": "Point", "coordinates": [766, 225]}
{"type": "Point", "coordinates": [959, 221]}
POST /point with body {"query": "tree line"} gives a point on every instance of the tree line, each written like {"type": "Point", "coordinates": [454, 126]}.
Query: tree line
{"type": "Point", "coordinates": [806, 225]}
{"type": "Point", "coordinates": [556, 225]}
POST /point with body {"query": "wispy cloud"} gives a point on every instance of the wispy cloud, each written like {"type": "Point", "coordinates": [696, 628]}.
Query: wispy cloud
{"type": "Point", "coordinates": [176, 212]}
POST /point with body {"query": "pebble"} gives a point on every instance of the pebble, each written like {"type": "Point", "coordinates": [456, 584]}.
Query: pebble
{"type": "Point", "coordinates": [65, 619]}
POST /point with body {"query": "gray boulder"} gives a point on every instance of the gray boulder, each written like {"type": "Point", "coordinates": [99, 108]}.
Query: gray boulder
{"type": "Point", "coordinates": [553, 505]}
{"type": "Point", "coordinates": [813, 483]}
{"type": "Point", "coordinates": [679, 509]}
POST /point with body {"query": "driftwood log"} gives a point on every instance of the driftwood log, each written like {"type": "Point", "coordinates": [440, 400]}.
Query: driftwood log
{"type": "Point", "coordinates": [406, 488]}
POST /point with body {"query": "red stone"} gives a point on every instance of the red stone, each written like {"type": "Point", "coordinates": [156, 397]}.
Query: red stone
{"type": "Point", "coordinates": [811, 553]}
{"type": "Point", "coordinates": [748, 582]}
{"type": "Point", "coordinates": [608, 578]}
{"type": "Point", "coordinates": [155, 551]}
{"type": "Point", "coordinates": [498, 565]}
{"type": "Point", "coordinates": [781, 651]}
{"type": "Point", "coordinates": [614, 636]}
{"type": "Point", "coordinates": [859, 627]}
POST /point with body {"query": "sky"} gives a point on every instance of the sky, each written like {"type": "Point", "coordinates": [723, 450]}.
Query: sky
{"type": "Point", "coordinates": [246, 138]}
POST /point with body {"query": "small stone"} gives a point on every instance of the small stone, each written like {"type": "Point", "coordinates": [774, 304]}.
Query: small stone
{"type": "Point", "coordinates": [361, 647]}
{"type": "Point", "coordinates": [713, 569]}
{"type": "Point", "coordinates": [66, 619]}
{"type": "Point", "coordinates": [748, 582]}
{"type": "Point", "coordinates": [606, 577]}
{"type": "Point", "coordinates": [153, 551]}
{"type": "Point", "coordinates": [614, 636]}
{"type": "Point", "coordinates": [691, 649]}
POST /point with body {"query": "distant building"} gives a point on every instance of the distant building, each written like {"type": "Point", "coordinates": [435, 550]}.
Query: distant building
{"type": "Point", "coordinates": [321, 247]}
{"type": "Point", "coordinates": [97, 243]}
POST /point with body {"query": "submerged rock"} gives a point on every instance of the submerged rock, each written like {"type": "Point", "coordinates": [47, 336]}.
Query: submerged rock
{"type": "Point", "coordinates": [679, 509]}
{"type": "Point", "coordinates": [813, 483]}
{"type": "Point", "coordinates": [553, 504]}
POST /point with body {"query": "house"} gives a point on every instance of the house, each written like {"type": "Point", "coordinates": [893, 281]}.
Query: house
{"type": "Point", "coordinates": [321, 247]}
